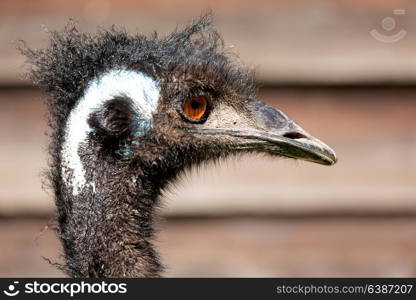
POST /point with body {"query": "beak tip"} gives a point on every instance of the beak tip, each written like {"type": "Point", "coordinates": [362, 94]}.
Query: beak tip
{"type": "Point", "coordinates": [333, 159]}
{"type": "Point", "coordinates": [333, 162]}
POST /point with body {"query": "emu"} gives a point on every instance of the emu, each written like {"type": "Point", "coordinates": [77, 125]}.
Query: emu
{"type": "Point", "coordinates": [128, 114]}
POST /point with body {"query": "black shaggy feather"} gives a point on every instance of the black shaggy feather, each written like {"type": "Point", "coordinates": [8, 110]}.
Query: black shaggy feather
{"type": "Point", "coordinates": [108, 233]}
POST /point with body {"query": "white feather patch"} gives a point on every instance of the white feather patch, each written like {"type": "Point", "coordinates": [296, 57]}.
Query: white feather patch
{"type": "Point", "coordinates": [142, 89]}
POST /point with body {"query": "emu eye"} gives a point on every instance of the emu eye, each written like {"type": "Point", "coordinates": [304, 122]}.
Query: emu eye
{"type": "Point", "coordinates": [195, 107]}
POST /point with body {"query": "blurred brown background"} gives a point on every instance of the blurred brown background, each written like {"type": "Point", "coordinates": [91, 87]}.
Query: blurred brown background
{"type": "Point", "coordinates": [315, 60]}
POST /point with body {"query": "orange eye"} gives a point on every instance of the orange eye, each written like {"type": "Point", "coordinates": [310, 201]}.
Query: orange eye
{"type": "Point", "coordinates": [195, 107]}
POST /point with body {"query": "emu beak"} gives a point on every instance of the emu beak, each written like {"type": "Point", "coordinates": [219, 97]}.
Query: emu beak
{"type": "Point", "coordinates": [280, 135]}
{"type": "Point", "coordinates": [266, 129]}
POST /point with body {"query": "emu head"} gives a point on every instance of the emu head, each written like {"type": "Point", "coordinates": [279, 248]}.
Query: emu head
{"type": "Point", "coordinates": [156, 104]}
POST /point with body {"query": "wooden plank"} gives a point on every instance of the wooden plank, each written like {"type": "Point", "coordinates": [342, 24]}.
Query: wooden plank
{"type": "Point", "coordinates": [286, 41]}
{"type": "Point", "coordinates": [372, 131]}
{"type": "Point", "coordinates": [242, 248]}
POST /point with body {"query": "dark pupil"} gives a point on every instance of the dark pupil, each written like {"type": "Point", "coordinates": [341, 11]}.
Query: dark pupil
{"type": "Point", "coordinates": [195, 104]}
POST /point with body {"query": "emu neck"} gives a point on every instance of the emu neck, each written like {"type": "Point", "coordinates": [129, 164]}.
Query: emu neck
{"type": "Point", "coordinates": [106, 230]}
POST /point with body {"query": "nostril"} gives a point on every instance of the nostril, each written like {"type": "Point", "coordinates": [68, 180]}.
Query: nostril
{"type": "Point", "coordinates": [294, 135]}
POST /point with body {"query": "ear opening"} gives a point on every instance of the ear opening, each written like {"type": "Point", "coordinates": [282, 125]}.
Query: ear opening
{"type": "Point", "coordinates": [115, 120]}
